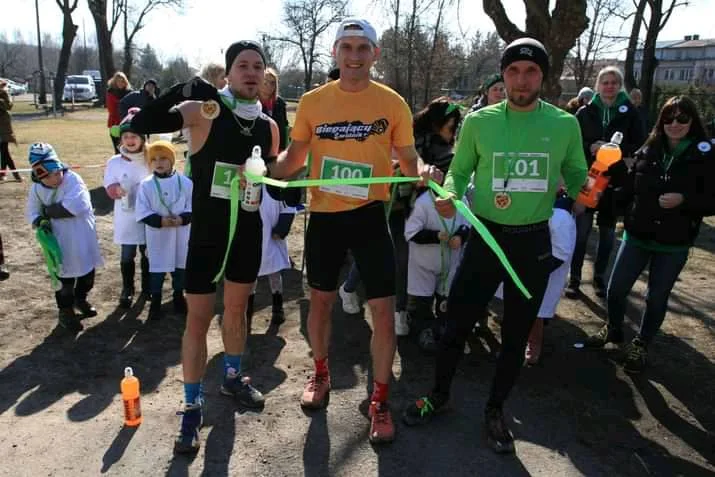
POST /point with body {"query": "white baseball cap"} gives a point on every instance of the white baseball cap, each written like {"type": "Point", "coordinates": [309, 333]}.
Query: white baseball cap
{"type": "Point", "coordinates": [356, 27]}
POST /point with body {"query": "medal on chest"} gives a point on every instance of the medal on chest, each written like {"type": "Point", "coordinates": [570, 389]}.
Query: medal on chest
{"type": "Point", "coordinates": [502, 200]}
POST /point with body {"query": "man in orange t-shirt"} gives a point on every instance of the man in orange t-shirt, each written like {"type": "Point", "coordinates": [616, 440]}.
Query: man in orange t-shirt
{"type": "Point", "coordinates": [351, 126]}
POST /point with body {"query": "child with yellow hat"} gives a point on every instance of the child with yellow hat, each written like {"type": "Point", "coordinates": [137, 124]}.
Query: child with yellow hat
{"type": "Point", "coordinates": [164, 207]}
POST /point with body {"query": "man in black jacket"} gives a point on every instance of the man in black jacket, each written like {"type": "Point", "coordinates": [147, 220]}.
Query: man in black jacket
{"type": "Point", "coordinates": [139, 99]}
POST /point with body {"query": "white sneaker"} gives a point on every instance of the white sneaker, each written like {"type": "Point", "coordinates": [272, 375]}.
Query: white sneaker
{"type": "Point", "coordinates": [402, 328]}
{"type": "Point", "coordinates": [351, 302]}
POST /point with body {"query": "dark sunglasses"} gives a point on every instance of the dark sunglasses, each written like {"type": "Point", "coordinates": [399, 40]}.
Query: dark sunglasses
{"type": "Point", "coordinates": [682, 118]}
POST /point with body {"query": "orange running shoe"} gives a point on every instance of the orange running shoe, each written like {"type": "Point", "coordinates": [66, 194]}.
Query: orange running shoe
{"type": "Point", "coordinates": [382, 428]}
{"type": "Point", "coordinates": [316, 394]}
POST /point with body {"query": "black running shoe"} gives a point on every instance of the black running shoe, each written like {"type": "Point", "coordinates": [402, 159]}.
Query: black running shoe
{"type": "Point", "coordinates": [599, 287]}
{"type": "Point", "coordinates": [424, 409]}
{"type": "Point", "coordinates": [239, 387]}
{"type": "Point", "coordinates": [499, 437]}
{"type": "Point", "coordinates": [605, 335]}
{"type": "Point", "coordinates": [69, 320]}
{"type": "Point", "coordinates": [86, 309]}
{"type": "Point", "coordinates": [636, 357]}
{"type": "Point", "coordinates": [187, 441]}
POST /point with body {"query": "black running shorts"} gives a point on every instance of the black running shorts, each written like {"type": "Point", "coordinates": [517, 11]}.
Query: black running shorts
{"type": "Point", "coordinates": [207, 247]}
{"type": "Point", "coordinates": [364, 231]}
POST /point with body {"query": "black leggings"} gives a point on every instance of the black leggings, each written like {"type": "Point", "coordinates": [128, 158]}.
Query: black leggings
{"type": "Point", "coordinates": [74, 290]}
{"type": "Point", "coordinates": [528, 248]}
{"type": "Point", "coordinates": [6, 161]}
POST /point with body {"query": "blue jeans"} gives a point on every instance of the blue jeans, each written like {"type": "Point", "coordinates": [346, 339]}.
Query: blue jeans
{"type": "Point", "coordinates": [130, 251]}
{"type": "Point", "coordinates": [606, 237]}
{"type": "Point", "coordinates": [664, 270]}
{"type": "Point", "coordinates": [177, 281]}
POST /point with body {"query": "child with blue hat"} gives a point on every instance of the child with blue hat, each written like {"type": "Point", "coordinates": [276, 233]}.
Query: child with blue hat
{"type": "Point", "coordinates": [59, 202]}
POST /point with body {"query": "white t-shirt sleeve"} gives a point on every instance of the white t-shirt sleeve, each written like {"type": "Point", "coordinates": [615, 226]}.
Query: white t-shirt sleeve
{"type": "Point", "coordinates": [143, 206]}
{"type": "Point", "coordinates": [76, 197]}
{"type": "Point", "coordinates": [110, 175]}
{"type": "Point", "coordinates": [417, 219]}
{"type": "Point", "coordinates": [563, 236]}
{"type": "Point", "coordinates": [33, 209]}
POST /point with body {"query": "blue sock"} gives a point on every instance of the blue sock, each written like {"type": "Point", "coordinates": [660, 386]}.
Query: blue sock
{"type": "Point", "coordinates": [231, 361]}
{"type": "Point", "coordinates": [191, 392]}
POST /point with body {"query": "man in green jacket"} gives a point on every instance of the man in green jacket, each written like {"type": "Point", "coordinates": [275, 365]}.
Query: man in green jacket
{"type": "Point", "coordinates": [518, 150]}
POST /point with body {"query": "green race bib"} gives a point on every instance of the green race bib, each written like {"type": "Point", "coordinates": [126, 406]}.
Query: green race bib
{"type": "Point", "coordinates": [333, 168]}
{"type": "Point", "coordinates": [221, 180]}
{"type": "Point", "coordinates": [522, 172]}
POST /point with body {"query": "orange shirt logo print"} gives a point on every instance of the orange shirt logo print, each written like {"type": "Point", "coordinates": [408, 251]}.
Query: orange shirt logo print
{"type": "Point", "coordinates": [358, 130]}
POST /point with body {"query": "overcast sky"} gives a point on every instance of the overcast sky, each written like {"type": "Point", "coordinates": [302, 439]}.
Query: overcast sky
{"type": "Point", "coordinates": [206, 26]}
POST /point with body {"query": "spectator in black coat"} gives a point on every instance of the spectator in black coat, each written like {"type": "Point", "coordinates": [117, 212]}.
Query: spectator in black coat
{"type": "Point", "coordinates": [139, 99]}
{"type": "Point", "coordinates": [609, 111]}
{"type": "Point", "coordinates": [669, 189]}
{"type": "Point", "coordinates": [273, 105]}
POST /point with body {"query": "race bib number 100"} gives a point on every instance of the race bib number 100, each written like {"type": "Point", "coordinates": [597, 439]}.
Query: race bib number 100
{"type": "Point", "coordinates": [221, 180]}
{"type": "Point", "coordinates": [522, 172]}
{"type": "Point", "coordinates": [333, 168]}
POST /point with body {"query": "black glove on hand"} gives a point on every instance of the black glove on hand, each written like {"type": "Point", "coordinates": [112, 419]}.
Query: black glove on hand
{"type": "Point", "coordinates": [198, 89]}
{"type": "Point", "coordinates": [43, 223]}
{"type": "Point", "coordinates": [56, 211]}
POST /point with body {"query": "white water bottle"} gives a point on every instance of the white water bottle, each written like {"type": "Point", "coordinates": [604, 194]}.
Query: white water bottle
{"type": "Point", "coordinates": [252, 193]}
{"type": "Point", "coordinates": [125, 201]}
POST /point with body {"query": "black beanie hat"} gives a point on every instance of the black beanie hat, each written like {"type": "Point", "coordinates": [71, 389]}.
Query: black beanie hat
{"type": "Point", "coordinates": [527, 49]}
{"type": "Point", "coordinates": [236, 48]}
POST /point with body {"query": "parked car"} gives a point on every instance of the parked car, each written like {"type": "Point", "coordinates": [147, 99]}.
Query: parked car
{"type": "Point", "coordinates": [16, 88]}
{"type": "Point", "coordinates": [96, 76]}
{"type": "Point", "coordinates": [79, 87]}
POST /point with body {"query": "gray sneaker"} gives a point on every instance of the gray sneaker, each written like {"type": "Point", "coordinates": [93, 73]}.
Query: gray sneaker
{"type": "Point", "coordinates": [239, 387]}
{"type": "Point", "coordinates": [605, 335]}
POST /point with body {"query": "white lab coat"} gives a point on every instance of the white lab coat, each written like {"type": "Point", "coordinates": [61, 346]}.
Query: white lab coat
{"type": "Point", "coordinates": [76, 236]}
{"type": "Point", "coordinates": [126, 229]}
{"type": "Point", "coordinates": [274, 257]}
{"type": "Point", "coordinates": [426, 262]}
{"type": "Point", "coordinates": [167, 247]}
{"type": "Point", "coordinates": [562, 227]}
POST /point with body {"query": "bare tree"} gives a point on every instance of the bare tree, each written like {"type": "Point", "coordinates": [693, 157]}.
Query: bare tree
{"type": "Point", "coordinates": [306, 21]}
{"type": "Point", "coordinates": [659, 16]}
{"type": "Point", "coordinates": [441, 4]}
{"type": "Point", "coordinates": [98, 9]}
{"type": "Point", "coordinates": [558, 30]}
{"type": "Point", "coordinates": [134, 16]}
{"type": "Point", "coordinates": [69, 32]}
{"type": "Point", "coordinates": [629, 77]}
{"type": "Point", "coordinates": [594, 42]}
{"type": "Point", "coordinates": [11, 55]}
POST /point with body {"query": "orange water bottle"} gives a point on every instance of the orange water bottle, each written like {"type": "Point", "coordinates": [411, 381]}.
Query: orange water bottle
{"type": "Point", "coordinates": [130, 397]}
{"type": "Point", "coordinates": [596, 182]}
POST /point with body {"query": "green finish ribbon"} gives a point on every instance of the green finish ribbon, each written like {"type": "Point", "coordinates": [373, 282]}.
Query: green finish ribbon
{"type": "Point", "coordinates": [461, 208]}
{"type": "Point", "coordinates": [52, 253]}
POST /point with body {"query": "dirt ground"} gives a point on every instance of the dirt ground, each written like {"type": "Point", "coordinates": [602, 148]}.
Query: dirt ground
{"type": "Point", "coordinates": [576, 413]}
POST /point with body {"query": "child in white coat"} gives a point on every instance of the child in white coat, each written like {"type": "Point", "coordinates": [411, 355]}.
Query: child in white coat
{"type": "Point", "coordinates": [164, 209]}
{"type": "Point", "coordinates": [435, 251]}
{"type": "Point", "coordinates": [277, 219]}
{"type": "Point", "coordinates": [562, 227]}
{"type": "Point", "coordinates": [59, 202]}
{"type": "Point", "coordinates": [122, 176]}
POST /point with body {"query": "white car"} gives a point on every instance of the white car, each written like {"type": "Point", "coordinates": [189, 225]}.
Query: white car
{"type": "Point", "coordinates": [79, 88]}
{"type": "Point", "coordinates": [15, 88]}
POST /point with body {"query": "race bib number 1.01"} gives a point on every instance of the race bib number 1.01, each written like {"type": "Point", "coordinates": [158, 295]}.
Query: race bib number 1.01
{"type": "Point", "coordinates": [522, 172]}
{"type": "Point", "coordinates": [221, 180]}
{"type": "Point", "coordinates": [333, 168]}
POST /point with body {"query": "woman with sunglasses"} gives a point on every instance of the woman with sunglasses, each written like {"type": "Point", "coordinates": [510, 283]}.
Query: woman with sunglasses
{"type": "Point", "coordinates": [669, 189]}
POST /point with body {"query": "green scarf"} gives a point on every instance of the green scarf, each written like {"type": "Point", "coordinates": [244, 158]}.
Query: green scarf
{"type": "Point", "coordinates": [608, 113]}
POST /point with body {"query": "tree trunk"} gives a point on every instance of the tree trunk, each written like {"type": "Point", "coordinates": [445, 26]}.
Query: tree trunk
{"type": "Point", "coordinates": [435, 37]}
{"type": "Point", "coordinates": [557, 30]}
{"type": "Point", "coordinates": [128, 60]}
{"type": "Point", "coordinates": [629, 76]}
{"type": "Point", "coordinates": [649, 60]}
{"type": "Point", "coordinates": [395, 47]}
{"type": "Point", "coordinates": [98, 8]}
{"type": "Point", "coordinates": [69, 31]}
{"type": "Point", "coordinates": [410, 54]}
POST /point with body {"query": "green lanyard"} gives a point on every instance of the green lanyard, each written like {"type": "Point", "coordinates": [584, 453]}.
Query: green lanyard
{"type": "Point", "coordinates": [161, 197]}
{"type": "Point", "coordinates": [445, 250]}
{"type": "Point", "coordinates": [668, 159]}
